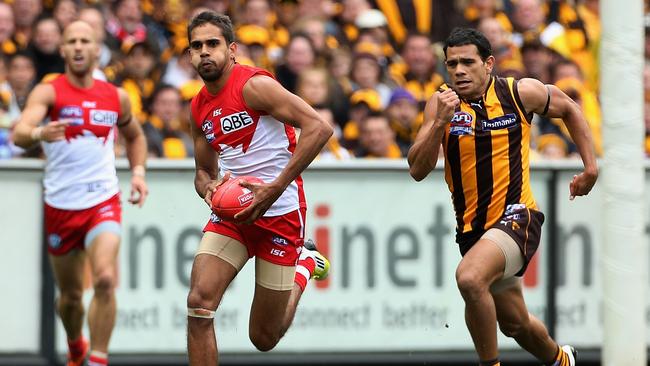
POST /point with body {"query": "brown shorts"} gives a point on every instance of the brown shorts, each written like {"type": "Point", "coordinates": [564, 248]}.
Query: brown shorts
{"type": "Point", "coordinates": [524, 225]}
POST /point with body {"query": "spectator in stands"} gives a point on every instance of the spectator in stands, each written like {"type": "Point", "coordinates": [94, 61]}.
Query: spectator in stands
{"type": "Point", "coordinates": [126, 27]}
{"type": "Point", "coordinates": [339, 67]}
{"type": "Point", "coordinates": [373, 23]}
{"type": "Point", "coordinates": [165, 137]}
{"type": "Point", "coordinates": [529, 20]}
{"type": "Point", "coordinates": [404, 117]}
{"type": "Point", "coordinates": [582, 33]}
{"type": "Point", "coordinates": [255, 40]}
{"type": "Point", "coordinates": [139, 76]}
{"type": "Point", "coordinates": [218, 6]}
{"type": "Point", "coordinates": [256, 12]}
{"type": "Point", "coordinates": [21, 76]}
{"type": "Point", "coordinates": [315, 29]}
{"type": "Point", "coordinates": [332, 149]}
{"type": "Point", "coordinates": [180, 72]}
{"type": "Point", "coordinates": [478, 10]}
{"type": "Point", "coordinates": [507, 55]}
{"type": "Point", "coordinates": [376, 139]}
{"type": "Point", "coordinates": [315, 8]}
{"type": "Point", "coordinates": [65, 12]}
{"type": "Point", "coordinates": [348, 16]}
{"type": "Point", "coordinates": [316, 87]}
{"type": "Point", "coordinates": [7, 26]}
{"type": "Point", "coordinates": [25, 14]}
{"type": "Point", "coordinates": [287, 12]}
{"type": "Point", "coordinates": [537, 60]}
{"type": "Point", "coordinates": [367, 73]}
{"type": "Point", "coordinates": [45, 48]}
{"type": "Point", "coordinates": [433, 17]}
{"type": "Point", "coordinates": [312, 86]}
{"type": "Point", "coordinates": [418, 72]}
{"type": "Point", "coordinates": [568, 77]}
{"type": "Point", "coordinates": [95, 18]}
{"type": "Point", "coordinates": [300, 54]}
{"type": "Point", "coordinates": [362, 103]}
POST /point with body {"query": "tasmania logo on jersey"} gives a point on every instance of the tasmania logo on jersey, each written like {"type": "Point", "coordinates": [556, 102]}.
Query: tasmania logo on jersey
{"type": "Point", "coordinates": [73, 114]}
{"type": "Point", "coordinates": [100, 117]}
{"type": "Point", "coordinates": [461, 124]}
{"type": "Point", "coordinates": [235, 122]}
{"type": "Point", "coordinates": [505, 121]}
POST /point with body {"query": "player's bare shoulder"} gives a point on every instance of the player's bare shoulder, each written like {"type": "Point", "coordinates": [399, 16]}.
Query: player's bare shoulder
{"type": "Point", "coordinates": [42, 94]}
{"type": "Point", "coordinates": [533, 94]}
{"type": "Point", "coordinates": [261, 91]}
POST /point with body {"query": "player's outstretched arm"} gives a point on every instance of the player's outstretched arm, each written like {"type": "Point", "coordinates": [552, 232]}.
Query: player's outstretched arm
{"type": "Point", "coordinates": [265, 94]}
{"type": "Point", "coordinates": [205, 159]}
{"type": "Point", "coordinates": [438, 112]}
{"type": "Point", "coordinates": [534, 95]}
{"type": "Point", "coordinates": [27, 130]}
{"type": "Point", "coordinates": [136, 149]}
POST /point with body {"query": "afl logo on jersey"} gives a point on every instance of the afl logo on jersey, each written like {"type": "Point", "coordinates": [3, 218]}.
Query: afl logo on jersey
{"type": "Point", "coordinates": [235, 122]}
{"type": "Point", "coordinates": [73, 114]}
{"type": "Point", "coordinates": [100, 117]}
{"type": "Point", "coordinates": [461, 124]}
{"type": "Point", "coordinates": [207, 129]}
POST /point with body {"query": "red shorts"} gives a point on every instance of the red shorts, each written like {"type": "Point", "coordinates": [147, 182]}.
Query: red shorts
{"type": "Point", "coordinates": [276, 239]}
{"type": "Point", "coordinates": [67, 229]}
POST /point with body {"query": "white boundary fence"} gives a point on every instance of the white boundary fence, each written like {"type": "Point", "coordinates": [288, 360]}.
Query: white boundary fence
{"type": "Point", "coordinates": [391, 243]}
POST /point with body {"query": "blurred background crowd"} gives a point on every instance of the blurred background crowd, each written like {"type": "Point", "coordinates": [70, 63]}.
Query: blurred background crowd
{"type": "Point", "coordinates": [367, 66]}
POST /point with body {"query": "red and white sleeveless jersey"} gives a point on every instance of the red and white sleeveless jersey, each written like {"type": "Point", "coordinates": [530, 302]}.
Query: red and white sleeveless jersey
{"type": "Point", "coordinates": [80, 170]}
{"type": "Point", "coordinates": [249, 142]}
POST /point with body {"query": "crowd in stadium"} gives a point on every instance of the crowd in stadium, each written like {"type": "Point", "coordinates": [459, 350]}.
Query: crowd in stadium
{"type": "Point", "coordinates": [366, 66]}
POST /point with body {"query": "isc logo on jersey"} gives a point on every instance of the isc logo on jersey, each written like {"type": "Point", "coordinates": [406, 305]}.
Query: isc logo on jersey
{"type": "Point", "coordinates": [100, 117]}
{"type": "Point", "coordinates": [235, 122]}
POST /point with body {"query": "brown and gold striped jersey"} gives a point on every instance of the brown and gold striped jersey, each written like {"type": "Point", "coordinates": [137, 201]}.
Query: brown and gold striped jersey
{"type": "Point", "coordinates": [486, 149]}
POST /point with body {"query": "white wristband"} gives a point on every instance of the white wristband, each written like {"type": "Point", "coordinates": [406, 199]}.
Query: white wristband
{"type": "Point", "coordinates": [138, 170]}
{"type": "Point", "coordinates": [37, 133]}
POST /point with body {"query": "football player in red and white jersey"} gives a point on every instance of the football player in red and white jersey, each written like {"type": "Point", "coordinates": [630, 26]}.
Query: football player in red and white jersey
{"type": "Point", "coordinates": [82, 202]}
{"type": "Point", "coordinates": [246, 119]}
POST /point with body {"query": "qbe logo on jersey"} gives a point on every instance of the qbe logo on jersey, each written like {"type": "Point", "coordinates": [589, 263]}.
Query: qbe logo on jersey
{"type": "Point", "coordinates": [235, 122]}
{"type": "Point", "coordinates": [100, 117]}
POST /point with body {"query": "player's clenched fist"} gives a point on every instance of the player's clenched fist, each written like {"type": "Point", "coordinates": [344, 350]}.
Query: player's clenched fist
{"type": "Point", "coordinates": [447, 103]}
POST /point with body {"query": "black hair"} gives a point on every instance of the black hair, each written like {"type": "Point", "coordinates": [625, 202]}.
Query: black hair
{"type": "Point", "coordinates": [552, 69]}
{"type": "Point", "coordinates": [412, 35]}
{"type": "Point", "coordinates": [156, 92]}
{"type": "Point", "coordinates": [467, 36]}
{"type": "Point", "coordinates": [24, 54]}
{"type": "Point", "coordinates": [374, 114]}
{"type": "Point", "coordinates": [219, 20]}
